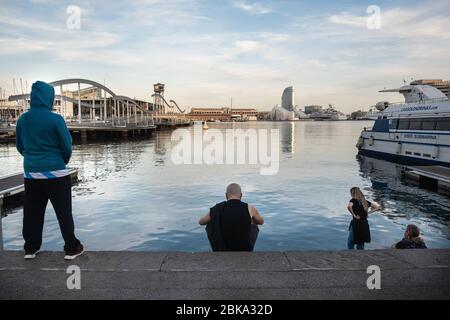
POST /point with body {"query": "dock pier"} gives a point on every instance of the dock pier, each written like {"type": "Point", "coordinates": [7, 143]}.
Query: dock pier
{"type": "Point", "coordinates": [91, 130]}
{"type": "Point", "coordinates": [13, 185]}
{"type": "Point", "coordinates": [436, 178]}
{"type": "Point", "coordinates": [86, 131]}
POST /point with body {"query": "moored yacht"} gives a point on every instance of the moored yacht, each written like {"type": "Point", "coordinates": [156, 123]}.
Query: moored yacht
{"type": "Point", "coordinates": [330, 114]}
{"type": "Point", "coordinates": [416, 131]}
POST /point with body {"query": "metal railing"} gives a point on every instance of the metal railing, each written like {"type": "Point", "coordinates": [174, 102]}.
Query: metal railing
{"type": "Point", "coordinates": [434, 100]}
{"type": "Point", "coordinates": [121, 122]}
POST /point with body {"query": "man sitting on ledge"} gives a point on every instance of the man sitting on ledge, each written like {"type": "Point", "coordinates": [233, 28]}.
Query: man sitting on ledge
{"type": "Point", "coordinates": [411, 239]}
{"type": "Point", "coordinates": [232, 225]}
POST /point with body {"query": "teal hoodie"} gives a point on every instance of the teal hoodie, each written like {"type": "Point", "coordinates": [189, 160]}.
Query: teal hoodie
{"type": "Point", "coordinates": [42, 136]}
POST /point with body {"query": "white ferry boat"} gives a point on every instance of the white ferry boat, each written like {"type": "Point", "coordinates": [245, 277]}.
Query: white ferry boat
{"type": "Point", "coordinates": [416, 131]}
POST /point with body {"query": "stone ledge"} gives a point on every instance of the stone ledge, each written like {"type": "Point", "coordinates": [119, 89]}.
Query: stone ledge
{"type": "Point", "coordinates": [405, 274]}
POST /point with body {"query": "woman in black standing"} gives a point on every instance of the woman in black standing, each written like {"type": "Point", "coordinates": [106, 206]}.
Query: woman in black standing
{"type": "Point", "coordinates": [359, 230]}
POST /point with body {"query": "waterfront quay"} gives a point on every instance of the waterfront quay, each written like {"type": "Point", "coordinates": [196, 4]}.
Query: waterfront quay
{"type": "Point", "coordinates": [92, 130]}
{"type": "Point", "coordinates": [337, 275]}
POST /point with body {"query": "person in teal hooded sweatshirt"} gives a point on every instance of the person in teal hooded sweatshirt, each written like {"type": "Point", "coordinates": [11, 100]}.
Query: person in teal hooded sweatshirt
{"type": "Point", "coordinates": [44, 141]}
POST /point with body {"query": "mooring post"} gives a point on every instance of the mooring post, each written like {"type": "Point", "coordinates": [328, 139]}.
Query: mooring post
{"type": "Point", "coordinates": [104, 105]}
{"type": "Point", "coordinates": [93, 108]}
{"type": "Point", "coordinates": [62, 106]}
{"type": "Point", "coordinates": [1, 226]}
{"type": "Point", "coordinates": [83, 136]}
{"type": "Point", "coordinates": [79, 103]}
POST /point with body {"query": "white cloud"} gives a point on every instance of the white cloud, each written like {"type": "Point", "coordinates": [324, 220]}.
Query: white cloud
{"type": "Point", "coordinates": [242, 47]}
{"type": "Point", "coordinates": [413, 22]}
{"type": "Point", "coordinates": [253, 8]}
{"type": "Point", "coordinates": [328, 57]}
{"type": "Point", "coordinates": [9, 46]}
{"type": "Point", "coordinates": [348, 19]}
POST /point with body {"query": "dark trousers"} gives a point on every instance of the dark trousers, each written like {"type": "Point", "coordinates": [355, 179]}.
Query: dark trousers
{"type": "Point", "coordinates": [351, 243]}
{"type": "Point", "coordinates": [37, 194]}
{"type": "Point", "coordinates": [254, 231]}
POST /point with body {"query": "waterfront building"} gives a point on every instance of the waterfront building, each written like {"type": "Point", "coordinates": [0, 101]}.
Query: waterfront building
{"type": "Point", "coordinates": [223, 114]}
{"type": "Point", "coordinates": [68, 107]}
{"type": "Point", "coordinates": [440, 84]}
{"type": "Point", "coordinates": [244, 114]}
{"type": "Point", "coordinates": [10, 110]}
{"type": "Point", "coordinates": [288, 99]}
{"type": "Point", "coordinates": [89, 96]}
{"type": "Point", "coordinates": [281, 114]}
{"type": "Point", "coordinates": [286, 111]}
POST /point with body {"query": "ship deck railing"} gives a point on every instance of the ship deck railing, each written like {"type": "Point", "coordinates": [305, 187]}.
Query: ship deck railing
{"type": "Point", "coordinates": [434, 100]}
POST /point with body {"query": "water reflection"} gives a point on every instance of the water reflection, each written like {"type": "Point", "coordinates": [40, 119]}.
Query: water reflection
{"type": "Point", "coordinates": [98, 160]}
{"type": "Point", "coordinates": [288, 137]}
{"type": "Point", "coordinates": [403, 201]}
{"type": "Point", "coordinates": [133, 197]}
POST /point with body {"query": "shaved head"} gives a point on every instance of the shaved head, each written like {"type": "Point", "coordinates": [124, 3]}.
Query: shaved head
{"type": "Point", "coordinates": [234, 190]}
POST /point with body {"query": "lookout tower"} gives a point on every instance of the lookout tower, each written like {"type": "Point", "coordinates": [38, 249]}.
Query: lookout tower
{"type": "Point", "coordinates": [158, 88]}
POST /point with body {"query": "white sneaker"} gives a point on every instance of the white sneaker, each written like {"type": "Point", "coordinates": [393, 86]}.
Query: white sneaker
{"type": "Point", "coordinates": [31, 255]}
{"type": "Point", "coordinates": [72, 255]}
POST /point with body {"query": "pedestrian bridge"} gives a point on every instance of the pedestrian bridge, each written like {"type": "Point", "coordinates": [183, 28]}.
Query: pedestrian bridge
{"type": "Point", "coordinates": [99, 107]}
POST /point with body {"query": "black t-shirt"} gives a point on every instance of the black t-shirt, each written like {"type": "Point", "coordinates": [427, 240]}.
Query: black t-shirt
{"type": "Point", "coordinates": [358, 208]}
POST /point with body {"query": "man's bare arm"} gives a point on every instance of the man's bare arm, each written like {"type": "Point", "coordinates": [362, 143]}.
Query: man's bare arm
{"type": "Point", "coordinates": [205, 219]}
{"type": "Point", "coordinates": [256, 216]}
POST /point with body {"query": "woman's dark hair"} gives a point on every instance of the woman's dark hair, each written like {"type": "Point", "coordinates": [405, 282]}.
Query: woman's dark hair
{"type": "Point", "coordinates": [413, 230]}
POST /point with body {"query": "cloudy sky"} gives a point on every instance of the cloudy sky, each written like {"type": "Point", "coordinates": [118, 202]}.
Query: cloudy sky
{"type": "Point", "coordinates": [206, 51]}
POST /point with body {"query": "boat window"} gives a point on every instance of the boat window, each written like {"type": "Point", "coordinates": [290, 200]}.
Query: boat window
{"type": "Point", "coordinates": [415, 124]}
{"type": "Point", "coordinates": [394, 124]}
{"type": "Point", "coordinates": [443, 124]}
{"type": "Point", "coordinates": [403, 124]}
{"type": "Point", "coordinates": [428, 124]}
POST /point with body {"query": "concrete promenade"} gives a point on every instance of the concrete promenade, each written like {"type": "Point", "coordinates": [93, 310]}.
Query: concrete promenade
{"type": "Point", "coordinates": [405, 274]}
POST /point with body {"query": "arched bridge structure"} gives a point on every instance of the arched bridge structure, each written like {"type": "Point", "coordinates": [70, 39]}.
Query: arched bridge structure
{"type": "Point", "coordinates": [175, 105]}
{"type": "Point", "coordinates": [95, 106]}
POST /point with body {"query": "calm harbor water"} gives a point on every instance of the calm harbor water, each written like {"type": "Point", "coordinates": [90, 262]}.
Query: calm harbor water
{"type": "Point", "coordinates": [133, 197]}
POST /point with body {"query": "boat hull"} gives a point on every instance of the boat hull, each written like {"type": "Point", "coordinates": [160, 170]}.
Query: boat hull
{"type": "Point", "coordinates": [402, 159]}
{"type": "Point", "coordinates": [411, 148]}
